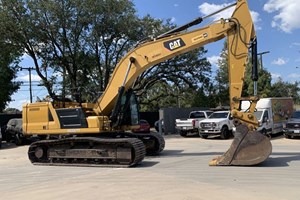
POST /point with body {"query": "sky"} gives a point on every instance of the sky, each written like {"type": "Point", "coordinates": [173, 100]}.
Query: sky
{"type": "Point", "coordinates": [277, 25]}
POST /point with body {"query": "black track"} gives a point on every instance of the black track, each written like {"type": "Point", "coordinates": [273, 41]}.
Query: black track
{"type": "Point", "coordinates": [88, 151]}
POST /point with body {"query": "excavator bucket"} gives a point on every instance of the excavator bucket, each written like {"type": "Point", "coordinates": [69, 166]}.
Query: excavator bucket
{"type": "Point", "coordinates": [248, 148]}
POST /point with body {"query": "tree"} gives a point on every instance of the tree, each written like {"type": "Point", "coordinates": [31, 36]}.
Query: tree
{"type": "Point", "coordinates": [263, 83]}
{"type": "Point", "coordinates": [202, 99]}
{"type": "Point", "coordinates": [222, 81]}
{"type": "Point", "coordinates": [285, 89]}
{"type": "Point", "coordinates": [7, 74]}
{"type": "Point", "coordinates": [183, 74]}
{"type": "Point", "coordinates": [77, 44]}
{"type": "Point", "coordinates": [73, 38]}
{"type": "Point", "coordinates": [8, 63]}
{"type": "Point", "coordinates": [12, 111]}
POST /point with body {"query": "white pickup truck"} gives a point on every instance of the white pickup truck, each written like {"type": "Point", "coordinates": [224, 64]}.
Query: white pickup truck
{"type": "Point", "coordinates": [218, 123]}
{"type": "Point", "coordinates": [190, 125]}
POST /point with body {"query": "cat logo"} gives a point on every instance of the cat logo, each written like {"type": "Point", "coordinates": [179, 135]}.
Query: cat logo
{"type": "Point", "coordinates": [174, 44]}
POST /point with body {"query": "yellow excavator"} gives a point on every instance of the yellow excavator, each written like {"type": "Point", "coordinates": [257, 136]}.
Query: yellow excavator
{"type": "Point", "coordinates": [95, 134]}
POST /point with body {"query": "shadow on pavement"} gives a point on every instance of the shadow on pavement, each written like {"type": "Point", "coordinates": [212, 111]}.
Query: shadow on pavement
{"type": "Point", "coordinates": [8, 145]}
{"type": "Point", "coordinates": [147, 163]}
{"type": "Point", "coordinates": [280, 161]}
{"type": "Point", "coordinates": [180, 153]}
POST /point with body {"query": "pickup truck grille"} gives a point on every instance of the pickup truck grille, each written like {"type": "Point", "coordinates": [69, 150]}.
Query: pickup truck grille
{"type": "Point", "coordinates": [206, 125]}
{"type": "Point", "coordinates": [293, 126]}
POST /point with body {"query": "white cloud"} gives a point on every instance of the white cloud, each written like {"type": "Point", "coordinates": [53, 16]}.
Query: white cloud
{"type": "Point", "coordinates": [279, 61]}
{"type": "Point", "coordinates": [207, 9]}
{"type": "Point", "coordinates": [287, 14]}
{"type": "Point", "coordinates": [296, 44]}
{"type": "Point", "coordinates": [275, 76]}
{"type": "Point", "coordinates": [256, 19]}
{"type": "Point", "coordinates": [173, 20]}
{"type": "Point", "coordinates": [213, 60]}
{"type": "Point", "coordinates": [294, 75]}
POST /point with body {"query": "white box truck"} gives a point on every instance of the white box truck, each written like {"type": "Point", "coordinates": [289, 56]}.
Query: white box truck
{"type": "Point", "coordinates": [272, 113]}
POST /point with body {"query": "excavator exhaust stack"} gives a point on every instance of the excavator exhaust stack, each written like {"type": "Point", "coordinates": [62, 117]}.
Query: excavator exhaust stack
{"type": "Point", "coordinates": [248, 148]}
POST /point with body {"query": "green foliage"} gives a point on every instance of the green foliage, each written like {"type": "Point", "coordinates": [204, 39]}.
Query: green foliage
{"type": "Point", "coordinates": [285, 89]}
{"type": "Point", "coordinates": [80, 39]}
{"type": "Point", "coordinates": [263, 83]}
{"type": "Point", "coordinates": [202, 99]}
{"type": "Point", "coordinates": [7, 85]}
{"type": "Point", "coordinates": [222, 81]}
{"type": "Point", "coordinates": [8, 62]}
{"type": "Point", "coordinates": [182, 75]}
{"type": "Point", "coordinates": [83, 40]}
{"type": "Point", "coordinates": [12, 111]}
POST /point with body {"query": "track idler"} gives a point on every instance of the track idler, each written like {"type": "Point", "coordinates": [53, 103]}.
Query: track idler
{"type": "Point", "coordinates": [248, 148]}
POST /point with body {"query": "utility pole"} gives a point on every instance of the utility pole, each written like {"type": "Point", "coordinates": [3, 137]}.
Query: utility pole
{"type": "Point", "coordinates": [260, 54]}
{"type": "Point", "coordinates": [29, 71]}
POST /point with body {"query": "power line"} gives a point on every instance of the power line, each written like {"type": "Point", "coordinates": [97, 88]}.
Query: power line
{"type": "Point", "coordinates": [27, 90]}
{"type": "Point", "coordinates": [29, 71]}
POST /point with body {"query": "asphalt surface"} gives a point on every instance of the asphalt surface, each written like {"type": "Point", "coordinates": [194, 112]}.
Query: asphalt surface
{"type": "Point", "coordinates": [180, 172]}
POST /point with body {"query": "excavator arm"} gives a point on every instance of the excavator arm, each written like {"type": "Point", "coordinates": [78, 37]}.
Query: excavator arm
{"type": "Point", "coordinates": [249, 147]}
{"type": "Point", "coordinates": [239, 31]}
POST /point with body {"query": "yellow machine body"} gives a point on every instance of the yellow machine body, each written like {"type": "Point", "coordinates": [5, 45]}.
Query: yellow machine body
{"type": "Point", "coordinates": [248, 148]}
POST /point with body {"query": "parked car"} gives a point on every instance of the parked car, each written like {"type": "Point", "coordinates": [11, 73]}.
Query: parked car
{"type": "Point", "coordinates": [144, 127]}
{"type": "Point", "coordinates": [15, 132]}
{"type": "Point", "coordinates": [292, 126]}
{"type": "Point", "coordinates": [219, 123]}
{"type": "Point", "coordinates": [191, 124]}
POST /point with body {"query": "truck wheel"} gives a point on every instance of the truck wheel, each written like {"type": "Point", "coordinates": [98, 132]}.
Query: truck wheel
{"type": "Point", "coordinates": [287, 136]}
{"type": "Point", "coordinates": [0, 143]}
{"type": "Point", "coordinates": [224, 132]}
{"type": "Point", "coordinates": [18, 139]}
{"type": "Point", "coordinates": [183, 133]}
{"type": "Point", "coordinates": [202, 135]}
{"type": "Point", "coordinates": [264, 132]}
{"type": "Point", "coordinates": [8, 137]}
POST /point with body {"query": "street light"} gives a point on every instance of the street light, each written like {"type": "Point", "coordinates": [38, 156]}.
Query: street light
{"type": "Point", "coordinates": [29, 71]}
{"type": "Point", "coordinates": [260, 54]}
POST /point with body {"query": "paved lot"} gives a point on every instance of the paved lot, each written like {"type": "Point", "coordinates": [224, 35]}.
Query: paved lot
{"type": "Point", "coordinates": [180, 172]}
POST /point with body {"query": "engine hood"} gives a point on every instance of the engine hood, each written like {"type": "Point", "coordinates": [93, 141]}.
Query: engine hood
{"type": "Point", "coordinates": [294, 120]}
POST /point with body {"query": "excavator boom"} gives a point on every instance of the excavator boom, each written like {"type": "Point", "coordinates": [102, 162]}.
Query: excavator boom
{"type": "Point", "coordinates": [153, 52]}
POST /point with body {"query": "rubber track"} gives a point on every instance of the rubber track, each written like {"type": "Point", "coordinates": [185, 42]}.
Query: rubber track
{"type": "Point", "coordinates": [137, 147]}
